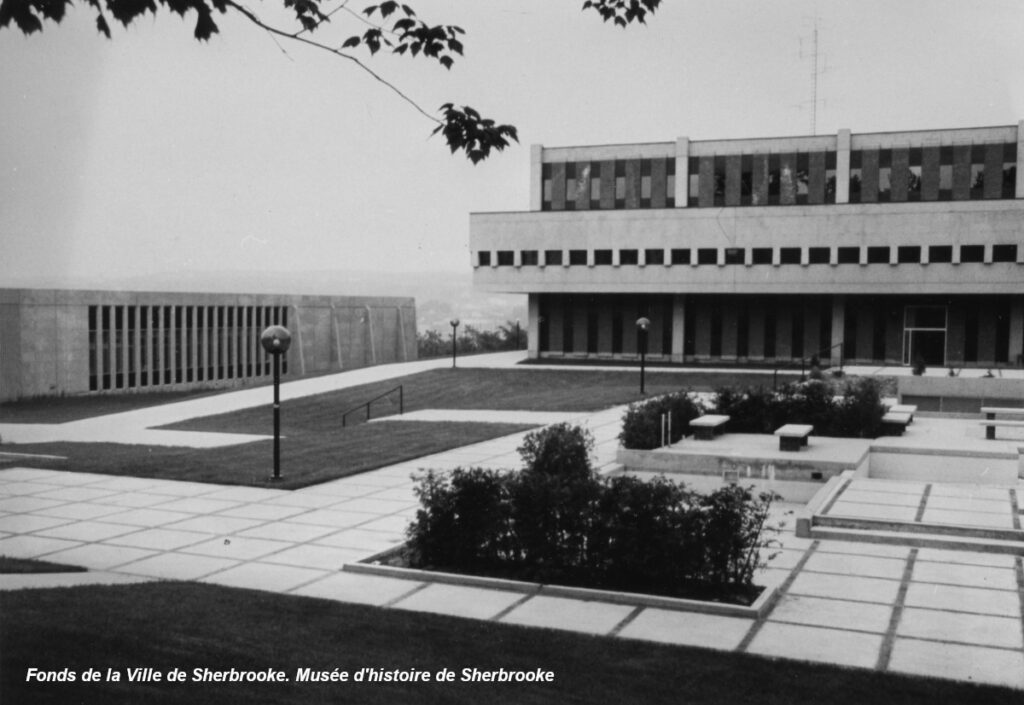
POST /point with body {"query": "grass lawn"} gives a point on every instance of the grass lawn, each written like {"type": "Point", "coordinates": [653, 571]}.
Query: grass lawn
{"type": "Point", "coordinates": [64, 409]}
{"type": "Point", "coordinates": [315, 448]}
{"type": "Point", "coordinates": [10, 565]}
{"type": "Point", "coordinates": [180, 625]}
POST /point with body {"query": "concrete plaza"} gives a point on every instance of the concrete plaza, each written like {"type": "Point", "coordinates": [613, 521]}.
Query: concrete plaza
{"type": "Point", "coordinates": [930, 611]}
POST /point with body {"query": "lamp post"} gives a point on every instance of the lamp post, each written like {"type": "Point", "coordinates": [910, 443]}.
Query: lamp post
{"type": "Point", "coordinates": [517, 334]}
{"type": "Point", "coordinates": [642, 324]}
{"type": "Point", "coordinates": [455, 324]}
{"type": "Point", "coordinates": [276, 340]}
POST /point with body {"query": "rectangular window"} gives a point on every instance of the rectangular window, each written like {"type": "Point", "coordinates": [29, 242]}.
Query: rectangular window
{"type": "Point", "coordinates": [940, 253]}
{"type": "Point", "coordinates": [707, 255]}
{"type": "Point", "coordinates": [553, 257]}
{"type": "Point", "coordinates": [629, 257]}
{"type": "Point", "coordinates": [878, 255]}
{"type": "Point", "coordinates": [1004, 253]}
{"type": "Point", "coordinates": [578, 258]}
{"type": "Point", "coordinates": [602, 257]}
{"type": "Point", "coordinates": [734, 255]}
{"type": "Point", "coordinates": [908, 254]}
{"type": "Point", "coordinates": [484, 258]}
{"type": "Point", "coordinates": [848, 255]}
{"type": "Point", "coordinates": [789, 255]}
{"type": "Point", "coordinates": [761, 255]}
{"type": "Point", "coordinates": [972, 253]}
{"type": "Point", "coordinates": [505, 258]}
{"type": "Point", "coordinates": [528, 258]}
{"type": "Point", "coordinates": [680, 256]}
{"type": "Point", "coordinates": [654, 256]}
{"type": "Point", "coordinates": [818, 255]}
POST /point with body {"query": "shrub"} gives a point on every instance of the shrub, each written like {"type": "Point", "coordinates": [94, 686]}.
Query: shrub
{"type": "Point", "coordinates": [641, 424]}
{"type": "Point", "coordinates": [859, 414]}
{"type": "Point", "coordinates": [560, 450]}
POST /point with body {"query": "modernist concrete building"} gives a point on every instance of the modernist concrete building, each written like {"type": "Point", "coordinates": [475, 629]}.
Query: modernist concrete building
{"type": "Point", "coordinates": [70, 342]}
{"type": "Point", "coordinates": [882, 248]}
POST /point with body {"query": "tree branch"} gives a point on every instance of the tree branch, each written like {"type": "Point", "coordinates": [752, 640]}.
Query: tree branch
{"type": "Point", "coordinates": [248, 14]}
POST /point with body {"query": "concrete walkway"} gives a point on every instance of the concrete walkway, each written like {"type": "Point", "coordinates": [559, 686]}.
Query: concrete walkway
{"type": "Point", "coordinates": [948, 614]}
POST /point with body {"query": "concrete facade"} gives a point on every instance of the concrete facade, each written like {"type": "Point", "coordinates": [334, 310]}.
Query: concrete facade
{"type": "Point", "coordinates": [69, 342]}
{"type": "Point", "coordinates": [883, 247]}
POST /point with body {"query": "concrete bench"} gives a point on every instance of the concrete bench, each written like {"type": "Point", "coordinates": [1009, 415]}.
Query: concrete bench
{"type": "Point", "coordinates": [708, 426]}
{"type": "Point", "coordinates": [990, 427]}
{"type": "Point", "coordinates": [904, 409]}
{"type": "Point", "coordinates": [990, 415]}
{"type": "Point", "coordinates": [894, 423]}
{"type": "Point", "coordinates": [793, 436]}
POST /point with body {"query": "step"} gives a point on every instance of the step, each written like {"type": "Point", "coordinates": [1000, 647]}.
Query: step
{"type": "Point", "coordinates": [958, 530]}
{"type": "Point", "coordinates": [917, 540]}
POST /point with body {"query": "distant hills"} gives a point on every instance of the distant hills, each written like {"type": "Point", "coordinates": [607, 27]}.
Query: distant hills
{"type": "Point", "coordinates": [440, 295]}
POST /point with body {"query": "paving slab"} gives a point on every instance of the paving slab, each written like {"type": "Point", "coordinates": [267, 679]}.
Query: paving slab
{"type": "Point", "coordinates": [160, 539]}
{"type": "Point", "coordinates": [848, 587]}
{"type": "Point", "coordinates": [316, 556]}
{"type": "Point", "coordinates": [238, 548]}
{"type": "Point", "coordinates": [862, 548]}
{"type": "Point", "coordinates": [266, 512]}
{"type": "Point", "coordinates": [216, 524]}
{"type": "Point", "coordinates": [960, 662]}
{"type": "Point", "coordinates": [87, 531]}
{"type": "Point", "coordinates": [360, 589]}
{"type": "Point", "coordinates": [884, 512]}
{"type": "Point", "coordinates": [569, 614]}
{"type": "Point", "coordinates": [134, 499]}
{"type": "Point", "coordinates": [368, 541]}
{"type": "Point", "coordinates": [287, 531]}
{"type": "Point", "coordinates": [459, 601]}
{"type": "Point", "coordinates": [80, 510]}
{"type": "Point", "coordinates": [333, 518]}
{"type": "Point", "coordinates": [984, 630]}
{"type": "Point", "coordinates": [177, 566]}
{"type": "Point", "coordinates": [33, 546]}
{"type": "Point", "coordinates": [99, 556]}
{"type": "Point", "coordinates": [835, 613]}
{"type": "Point", "coordinates": [852, 564]}
{"type": "Point", "coordinates": [265, 576]}
{"type": "Point", "coordinates": [148, 517]}
{"type": "Point", "coordinates": [967, 575]}
{"type": "Point", "coordinates": [805, 643]}
{"type": "Point", "coordinates": [968, 518]}
{"type": "Point", "coordinates": [28, 504]}
{"type": "Point", "coordinates": [1004, 603]}
{"type": "Point", "coordinates": [688, 628]}
{"type": "Point", "coordinates": [24, 581]}
{"type": "Point", "coordinates": [938, 555]}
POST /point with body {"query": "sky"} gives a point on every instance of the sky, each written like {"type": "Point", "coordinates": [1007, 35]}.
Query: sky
{"type": "Point", "coordinates": [154, 153]}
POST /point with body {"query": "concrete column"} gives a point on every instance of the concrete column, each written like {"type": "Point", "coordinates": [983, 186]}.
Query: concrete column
{"type": "Point", "coordinates": [172, 340]}
{"type": "Point", "coordinates": [843, 140]}
{"type": "Point", "coordinates": [137, 340]}
{"type": "Point", "coordinates": [678, 326]}
{"type": "Point", "coordinates": [150, 316]}
{"type": "Point", "coordinates": [215, 336]}
{"type": "Point", "coordinates": [158, 332]}
{"type": "Point", "coordinates": [245, 330]}
{"type": "Point", "coordinates": [838, 328]}
{"type": "Point", "coordinates": [536, 177]}
{"type": "Point", "coordinates": [682, 189]}
{"type": "Point", "coordinates": [987, 256]}
{"type": "Point", "coordinates": [194, 346]}
{"type": "Point", "coordinates": [259, 320]}
{"type": "Point", "coordinates": [533, 326]}
{"type": "Point", "coordinates": [1016, 330]}
{"type": "Point", "coordinates": [125, 359]}
{"type": "Point", "coordinates": [1019, 191]}
{"type": "Point", "coordinates": [755, 335]}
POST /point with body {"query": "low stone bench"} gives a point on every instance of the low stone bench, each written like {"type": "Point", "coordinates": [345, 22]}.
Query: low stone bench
{"type": "Point", "coordinates": [990, 415]}
{"type": "Point", "coordinates": [706, 427]}
{"type": "Point", "coordinates": [894, 423]}
{"type": "Point", "coordinates": [793, 436]}
{"type": "Point", "coordinates": [904, 409]}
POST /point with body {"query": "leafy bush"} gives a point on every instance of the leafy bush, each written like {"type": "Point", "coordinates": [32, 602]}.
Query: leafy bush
{"type": "Point", "coordinates": [554, 523]}
{"type": "Point", "coordinates": [641, 424]}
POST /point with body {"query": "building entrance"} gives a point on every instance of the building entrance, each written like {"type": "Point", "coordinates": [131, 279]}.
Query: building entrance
{"type": "Point", "coordinates": [924, 335]}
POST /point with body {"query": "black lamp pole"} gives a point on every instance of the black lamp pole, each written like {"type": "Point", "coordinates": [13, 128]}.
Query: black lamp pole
{"type": "Point", "coordinates": [455, 324]}
{"type": "Point", "coordinates": [642, 324]}
{"type": "Point", "coordinates": [276, 340]}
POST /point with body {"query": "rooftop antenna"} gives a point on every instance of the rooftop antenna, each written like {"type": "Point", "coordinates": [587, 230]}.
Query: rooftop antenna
{"type": "Point", "coordinates": [818, 67]}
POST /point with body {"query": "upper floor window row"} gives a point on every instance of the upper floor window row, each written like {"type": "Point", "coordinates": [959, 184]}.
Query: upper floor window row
{"type": "Point", "coordinates": [610, 184]}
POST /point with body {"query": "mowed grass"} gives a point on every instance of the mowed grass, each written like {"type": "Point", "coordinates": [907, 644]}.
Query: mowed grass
{"type": "Point", "coordinates": [316, 448]}
{"type": "Point", "coordinates": [166, 625]}
{"type": "Point", "coordinates": [64, 409]}
{"type": "Point", "coordinates": [9, 565]}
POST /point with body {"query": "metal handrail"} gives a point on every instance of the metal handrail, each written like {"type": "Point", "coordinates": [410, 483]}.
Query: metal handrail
{"type": "Point", "coordinates": [401, 403]}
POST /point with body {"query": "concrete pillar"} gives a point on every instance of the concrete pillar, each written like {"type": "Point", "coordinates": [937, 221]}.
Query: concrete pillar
{"type": "Point", "coordinates": [755, 336]}
{"type": "Point", "coordinates": [136, 329]}
{"type": "Point", "coordinates": [150, 317]}
{"type": "Point", "coordinates": [161, 346]}
{"type": "Point", "coordinates": [194, 346]}
{"type": "Point", "coordinates": [682, 187]}
{"type": "Point", "coordinates": [215, 341]}
{"type": "Point", "coordinates": [536, 177]}
{"type": "Point", "coordinates": [1019, 191]}
{"type": "Point", "coordinates": [843, 140]}
{"type": "Point", "coordinates": [678, 326]}
{"type": "Point", "coordinates": [729, 329]}
{"type": "Point", "coordinates": [838, 328]}
{"type": "Point", "coordinates": [123, 353]}
{"type": "Point", "coordinates": [533, 326]}
{"type": "Point", "coordinates": [172, 346]}
{"type": "Point", "coordinates": [1016, 356]}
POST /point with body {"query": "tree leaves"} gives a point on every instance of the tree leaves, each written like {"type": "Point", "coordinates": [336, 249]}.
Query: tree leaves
{"type": "Point", "coordinates": [623, 12]}
{"type": "Point", "coordinates": [464, 129]}
{"type": "Point", "coordinates": [411, 35]}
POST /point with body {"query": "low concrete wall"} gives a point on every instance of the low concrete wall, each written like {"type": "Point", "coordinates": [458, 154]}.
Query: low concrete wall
{"type": "Point", "coordinates": [922, 465]}
{"type": "Point", "coordinates": [960, 395]}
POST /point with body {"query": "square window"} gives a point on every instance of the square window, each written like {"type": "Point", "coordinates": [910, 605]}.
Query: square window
{"type": "Point", "coordinates": [878, 255]}
{"type": "Point", "coordinates": [483, 258]}
{"type": "Point", "coordinates": [789, 255]}
{"type": "Point", "coordinates": [577, 257]}
{"type": "Point", "coordinates": [940, 253]}
{"type": "Point", "coordinates": [818, 255]}
{"type": "Point", "coordinates": [505, 258]}
{"type": "Point", "coordinates": [680, 256]}
{"type": "Point", "coordinates": [908, 254]}
{"type": "Point", "coordinates": [1004, 253]}
{"type": "Point", "coordinates": [972, 253]}
{"type": "Point", "coordinates": [528, 258]}
{"type": "Point", "coordinates": [707, 255]}
{"type": "Point", "coordinates": [602, 257]}
{"type": "Point", "coordinates": [553, 257]}
{"type": "Point", "coordinates": [761, 255]}
{"type": "Point", "coordinates": [848, 255]}
{"type": "Point", "coordinates": [734, 255]}
{"type": "Point", "coordinates": [629, 257]}
{"type": "Point", "coordinates": [654, 256]}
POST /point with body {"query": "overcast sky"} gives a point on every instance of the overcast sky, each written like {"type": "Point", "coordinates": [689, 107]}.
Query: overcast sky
{"type": "Point", "coordinates": [155, 153]}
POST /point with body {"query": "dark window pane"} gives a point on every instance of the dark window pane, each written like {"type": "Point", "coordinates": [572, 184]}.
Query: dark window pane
{"type": "Point", "coordinates": [761, 255]}
{"type": "Point", "coordinates": [484, 258]}
{"type": "Point", "coordinates": [818, 255]}
{"type": "Point", "coordinates": [654, 256]}
{"type": "Point", "coordinates": [553, 257]}
{"type": "Point", "coordinates": [603, 257]}
{"type": "Point", "coordinates": [629, 256]}
{"type": "Point", "coordinates": [577, 257]}
{"type": "Point", "coordinates": [505, 258]}
{"type": "Point", "coordinates": [972, 253]}
{"type": "Point", "coordinates": [789, 255]}
{"type": "Point", "coordinates": [940, 253]}
{"type": "Point", "coordinates": [680, 256]}
{"type": "Point", "coordinates": [878, 255]}
{"type": "Point", "coordinates": [908, 254]}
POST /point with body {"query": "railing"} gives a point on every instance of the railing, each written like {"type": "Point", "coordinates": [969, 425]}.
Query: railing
{"type": "Point", "coordinates": [824, 353]}
{"type": "Point", "coordinates": [401, 404]}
